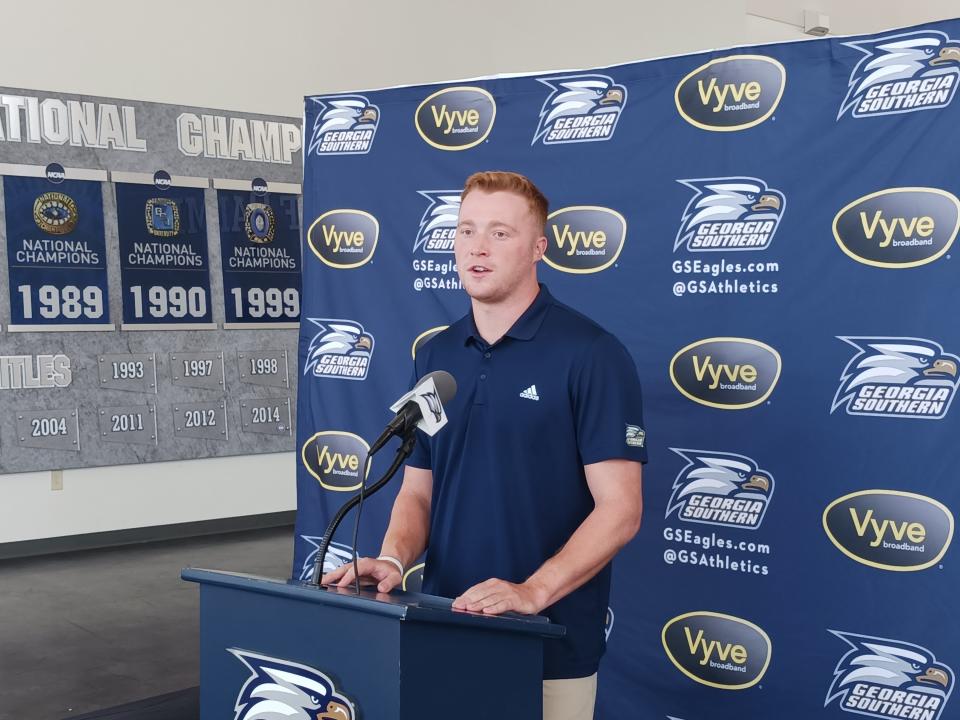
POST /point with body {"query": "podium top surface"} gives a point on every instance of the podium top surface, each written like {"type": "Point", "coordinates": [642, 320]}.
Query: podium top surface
{"type": "Point", "coordinates": [404, 606]}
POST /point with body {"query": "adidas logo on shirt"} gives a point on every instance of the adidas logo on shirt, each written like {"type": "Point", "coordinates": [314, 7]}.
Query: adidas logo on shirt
{"type": "Point", "coordinates": [530, 393]}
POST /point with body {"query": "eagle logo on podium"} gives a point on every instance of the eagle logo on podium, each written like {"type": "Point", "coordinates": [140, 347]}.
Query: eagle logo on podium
{"type": "Point", "coordinates": [337, 555]}
{"type": "Point", "coordinates": [889, 679]}
{"type": "Point", "coordinates": [903, 73]}
{"type": "Point", "coordinates": [581, 108]}
{"type": "Point", "coordinates": [280, 688]}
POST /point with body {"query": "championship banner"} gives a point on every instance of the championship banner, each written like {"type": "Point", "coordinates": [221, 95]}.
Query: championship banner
{"type": "Point", "coordinates": [56, 253]}
{"type": "Point", "coordinates": [164, 266]}
{"type": "Point", "coordinates": [260, 251]}
{"type": "Point", "coordinates": [769, 231]}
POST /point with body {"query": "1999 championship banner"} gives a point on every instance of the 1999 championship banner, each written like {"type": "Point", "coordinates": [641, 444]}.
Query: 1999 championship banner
{"type": "Point", "coordinates": [771, 232]}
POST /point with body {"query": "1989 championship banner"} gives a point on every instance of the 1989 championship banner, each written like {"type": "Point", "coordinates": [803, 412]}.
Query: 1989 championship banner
{"type": "Point", "coordinates": [110, 226]}
{"type": "Point", "coordinates": [771, 232]}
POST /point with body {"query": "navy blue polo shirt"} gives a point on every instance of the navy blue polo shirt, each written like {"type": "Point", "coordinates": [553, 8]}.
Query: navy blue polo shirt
{"type": "Point", "coordinates": [557, 392]}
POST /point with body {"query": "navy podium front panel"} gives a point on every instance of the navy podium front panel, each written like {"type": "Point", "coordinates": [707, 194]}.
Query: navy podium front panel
{"type": "Point", "coordinates": [770, 231]}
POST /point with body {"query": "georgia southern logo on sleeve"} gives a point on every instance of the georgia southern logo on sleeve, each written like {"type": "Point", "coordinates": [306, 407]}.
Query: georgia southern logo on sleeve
{"type": "Point", "coordinates": [337, 555]}
{"type": "Point", "coordinates": [719, 488]}
{"type": "Point", "coordinates": [581, 108]}
{"type": "Point", "coordinates": [902, 73]}
{"type": "Point", "coordinates": [345, 125]}
{"type": "Point", "coordinates": [729, 213]}
{"type": "Point", "coordinates": [341, 350]}
{"type": "Point", "coordinates": [283, 688]}
{"type": "Point", "coordinates": [897, 377]}
{"type": "Point", "coordinates": [438, 226]}
{"type": "Point", "coordinates": [889, 679]}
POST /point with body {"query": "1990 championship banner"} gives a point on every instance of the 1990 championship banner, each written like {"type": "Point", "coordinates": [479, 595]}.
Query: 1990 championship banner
{"type": "Point", "coordinates": [770, 231]}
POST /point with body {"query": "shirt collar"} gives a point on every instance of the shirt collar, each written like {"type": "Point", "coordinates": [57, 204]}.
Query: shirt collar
{"type": "Point", "coordinates": [526, 326]}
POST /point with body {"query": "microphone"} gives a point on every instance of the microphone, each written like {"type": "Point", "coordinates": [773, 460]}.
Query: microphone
{"type": "Point", "coordinates": [421, 407]}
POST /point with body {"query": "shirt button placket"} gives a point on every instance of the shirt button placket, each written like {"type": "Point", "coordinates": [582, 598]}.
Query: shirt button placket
{"type": "Point", "coordinates": [483, 381]}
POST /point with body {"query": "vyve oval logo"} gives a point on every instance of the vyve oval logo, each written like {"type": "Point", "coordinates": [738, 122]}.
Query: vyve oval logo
{"type": "Point", "coordinates": [731, 93]}
{"type": "Point", "coordinates": [889, 529]}
{"type": "Point", "coordinates": [425, 337]}
{"type": "Point", "coordinates": [726, 372]}
{"type": "Point", "coordinates": [584, 238]}
{"type": "Point", "coordinates": [456, 118]}
{"type": "Point", "coordinates": [718, 650]}
{"type": "Point", "coordinates": [898, 227]}
{"type": "Point", "coordinates": [336, 459]}
{"type": "Point", "coordinates": [343, 238]}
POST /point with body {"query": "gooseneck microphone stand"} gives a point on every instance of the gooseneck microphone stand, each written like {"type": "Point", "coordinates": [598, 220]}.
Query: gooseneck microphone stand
{"type": "Point", "coordinates": [403, 452]}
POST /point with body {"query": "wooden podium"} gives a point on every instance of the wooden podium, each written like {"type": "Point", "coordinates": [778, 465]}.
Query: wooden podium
{"type": "Point", "coordinates": [283, 647]}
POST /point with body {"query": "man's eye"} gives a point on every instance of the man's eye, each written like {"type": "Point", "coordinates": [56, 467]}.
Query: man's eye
{"type": "Point", "coordinates": [500, 234]}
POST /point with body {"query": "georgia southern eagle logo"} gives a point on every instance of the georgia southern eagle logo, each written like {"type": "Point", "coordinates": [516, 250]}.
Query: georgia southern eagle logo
{"type": "Point", "coordinates": [340, 350]}
{"type": "Point", "coordinates": [438, 226]}
{"type": "Point", "coordinates": [284, 689]}
{"type": "Point", "coordinates": [345, 125]}
{"type": "Point", "coordinates": [729, 213]}
{"type": "Point", "coordinates": [889, 679]}
{"type": "Point", "coordinates": [902, 73]}
{"type": "Point", "coordinates": [337, 554]}
{"type": "Point", "coordinates": [897, 377]}
{"type": "Point", "coordinates": [720, 488]}
{"type": "Point", "coordinates": [581, 108]}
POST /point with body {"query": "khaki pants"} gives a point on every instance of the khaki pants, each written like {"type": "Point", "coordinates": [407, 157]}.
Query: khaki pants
{"type": "Point", "coordinates": [571, 699]}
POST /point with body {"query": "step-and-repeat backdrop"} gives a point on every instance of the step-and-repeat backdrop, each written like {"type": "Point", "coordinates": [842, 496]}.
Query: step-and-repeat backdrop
{"type": "Point", "coordinates": [770, 232]}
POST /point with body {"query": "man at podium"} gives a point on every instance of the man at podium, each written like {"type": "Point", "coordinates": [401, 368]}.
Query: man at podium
{"type": "Point", "coordinates": [523, 500]}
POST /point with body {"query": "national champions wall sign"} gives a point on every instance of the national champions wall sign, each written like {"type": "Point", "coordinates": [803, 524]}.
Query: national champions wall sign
{"type": "Point", "coordinates": [152, 266]}
{"type": "Point", "coordinates": [771, 233]}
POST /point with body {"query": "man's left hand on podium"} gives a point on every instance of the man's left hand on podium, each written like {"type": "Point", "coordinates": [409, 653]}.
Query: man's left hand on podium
{"type": "Point", "coordinates": [495, 596]}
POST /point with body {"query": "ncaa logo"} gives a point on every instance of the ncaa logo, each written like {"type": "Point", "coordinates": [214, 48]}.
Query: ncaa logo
{"type": "Point", "coordinates": [888, 529]}
{"type": "Point", "coordinates": [456, 118]}
{"type": "Point", "coordinates": [336, 459]}
{"type": "Point", "coordinates": [897, 377]}
{"type": "Point", "coordinates": [344, 239]}
{"type": "Point", "coordinates": [345, 125]}
{"type": "Point", "coordinates": [282, 688]}
{"type": "Point", "coordinates": [438, 226]}
{"type": "Point", "coordinates": [340, 350]}
{"type": "Point", "coordinates": [729, 213]}
{"type": "Point", "coordinates": [902, 73]}
{"type": "Point", "coordinates": [584, 238]}
{"type": "Point", "coordinates": [718, 650]}
{"type": "Point", "coordinates": [55, 173]}
{"type": "Point", "coordinates": [888, 678]}
{"type": "Point", "coordinates": [337, 555]}
{"type": "Point", "coordinates": [719, 488]}
{"type": "Point", "coordinates": [162, 180]}
{"type": "Point", "coordinates": [898, 227]}
{"type": "Point", "coordinates": [725, 372]}
{"type": "Point", "coordinates": [581, 108]}
{"type": "Point", "coordinates": [731, 93]}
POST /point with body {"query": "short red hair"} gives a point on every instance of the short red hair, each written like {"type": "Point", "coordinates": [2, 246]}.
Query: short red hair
{"type": "Point", "coordinates": [497, 181]}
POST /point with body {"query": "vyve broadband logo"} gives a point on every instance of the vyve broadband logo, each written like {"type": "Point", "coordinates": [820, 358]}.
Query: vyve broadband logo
{"type": "Point", "coordinates": [731, 93]}
{"type": "Point", "coordinates": [456, 118]}
{"type": "Point", "coordinates": [718, 650]}
{"type": "Point", "coordinates": [584, 238]}
{"type": "Point", "coordinates": [344, 238]}
{"type": "Point", "coordinates": [889, 529]}
{"type": "Point", "coordinates": [337, 459]}
{"type": "Point", "coordinates": [898, 227]}
{"type": "Point", "coordinates": [726, 372]}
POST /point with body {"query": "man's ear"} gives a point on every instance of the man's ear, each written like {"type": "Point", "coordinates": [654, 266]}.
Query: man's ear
{"type": "Point", "coordinates": [541, 246]}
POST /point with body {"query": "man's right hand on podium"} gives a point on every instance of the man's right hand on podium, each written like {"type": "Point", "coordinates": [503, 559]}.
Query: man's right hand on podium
{"type": "Point", "coordinates": [382, 573]}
